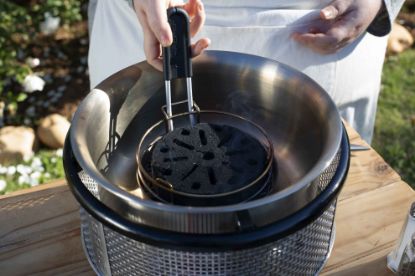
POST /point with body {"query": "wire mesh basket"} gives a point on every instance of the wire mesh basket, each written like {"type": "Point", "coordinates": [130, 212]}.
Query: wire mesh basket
{"type": "Point", "coordinates": [303, 253]}
{"type": "Point", "coordinates": [287, 231]}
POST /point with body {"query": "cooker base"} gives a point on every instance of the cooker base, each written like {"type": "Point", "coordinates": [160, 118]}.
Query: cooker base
{"type": "Point", "coordinates": [304, 252]}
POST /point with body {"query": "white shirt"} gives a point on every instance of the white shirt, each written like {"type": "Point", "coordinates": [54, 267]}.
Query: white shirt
{"type": "Point", "coordinates": [351, 76]}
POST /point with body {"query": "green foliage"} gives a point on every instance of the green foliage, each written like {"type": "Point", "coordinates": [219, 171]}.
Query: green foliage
{"type": "Point", "coordinates": [68, 11]}
{"type": "Point", "coordinates": [44, 167]}
{"type": "Point", "coordinates": [19, 33]}
{"type": "Point", "coordinates": [409, 6]}
{"type": "Point", "coordinates": [395, 121]}
{"type": "Point", "coordinates": [14, 37]}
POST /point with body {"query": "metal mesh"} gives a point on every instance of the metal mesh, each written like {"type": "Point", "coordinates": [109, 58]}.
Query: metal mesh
{"type": "Point", "coordinates": [89, 183]}
{"type": "Point", "coordinates": [301, 253]}
{"type": "Point", "coordinates": [94, 243]}
{"type": "Point", "coordinates": [326, 176]}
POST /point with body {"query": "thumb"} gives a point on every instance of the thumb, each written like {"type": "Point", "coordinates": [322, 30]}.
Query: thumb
{"type": "Point", "coordinates": [158, 23]}
{"type": "Point", "coordinates": [334, 9]}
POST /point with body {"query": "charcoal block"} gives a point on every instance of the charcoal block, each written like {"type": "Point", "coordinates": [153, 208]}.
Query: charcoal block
{"type": "Point", "coordinates": [207, 159]}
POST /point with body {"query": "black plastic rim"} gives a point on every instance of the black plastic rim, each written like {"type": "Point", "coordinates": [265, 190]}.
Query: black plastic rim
{"type": "Point", "coordinates": [243, 239]}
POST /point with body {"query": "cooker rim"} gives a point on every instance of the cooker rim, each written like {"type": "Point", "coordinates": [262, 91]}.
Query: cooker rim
{"type": "Point", "coordinates": [242, 239]}
{"type": "Point", "coordinates": [224, 56]}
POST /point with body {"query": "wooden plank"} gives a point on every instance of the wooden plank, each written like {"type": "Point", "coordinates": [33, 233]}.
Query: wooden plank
{"type": "Point", "coordinates": [40, 234]}
{"type": "Point", "coordinates": [369, 216]}
{"type": "Point", "coordinates": [368, 170]}
{"type": "Point", "coordinates": [367, 227]}
{"type": "Point", "coordinates": [375, 266]}
{"type": "Point", "coordinates": [29, 191]}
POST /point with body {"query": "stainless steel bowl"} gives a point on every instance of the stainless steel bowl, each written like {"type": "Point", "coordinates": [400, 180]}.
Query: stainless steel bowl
{"type": "Point", "coordinates": [297, 114]}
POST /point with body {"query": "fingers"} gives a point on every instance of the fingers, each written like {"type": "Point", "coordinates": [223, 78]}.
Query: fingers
{"type": "Point", "coordinates": [199, 46]}
{"type": "Point", "coordinates": [152, 51]}
{"type": "Point", "coordinates": [152, 48]}
{"type": "Point", "coordinates": [340, 23]}
{"type": "Point", "coordinates": [348, 28]}
{"type": "Point", "coordinates": [329, 13]}
{"type": "Point", "coordinates": [327, 43]}
{"type": "Point", "coordinates": [196, 12]}
{"type": "Point", "coordinates": [197, 15]}
{"type": "Point", "coordinates": [191, 7]}
{"type": "Point", "coordinates": [320, 43]}
{"type": "Point", "coordinates": [332, 35]}
{"type": "Point", "coordinates": [335, 9]}
{"type": "Point", "coordinates": [157, 20]}
{"type": "Point", "coordinates": [157, 32]}
{"type": "Point", "coordinates": [175, 3]}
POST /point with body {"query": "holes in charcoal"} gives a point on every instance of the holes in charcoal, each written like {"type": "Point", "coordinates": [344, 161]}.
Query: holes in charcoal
{"type": "Point", "coordinates": [252, 162]}
{"type": "Point", "coordinates": [202, 136]}
{"type": "Point", "coordinates": [196, 185]}
{"type": "Point", "coordinates": [212, 176]}
{"type": "Point", "coordinates": [164, 149]}
{"type": "Point", "coordinates": [208, 155]}
{"type": "Point", "coordinates": [208, 162]}
{"type": "Point", "coordinates": [183, 144]}
{"type": "Point", "coordinates": [185, 132]}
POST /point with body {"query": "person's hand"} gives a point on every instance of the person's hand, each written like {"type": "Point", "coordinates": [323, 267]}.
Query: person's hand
{"type": "Point", "coordinates": [152, 15]}
{"type": "Point", "coordinates": [340, 23]}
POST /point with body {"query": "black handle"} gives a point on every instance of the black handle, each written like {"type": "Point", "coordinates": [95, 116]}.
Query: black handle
{"type": "Point", "coordinates": [177, 58]}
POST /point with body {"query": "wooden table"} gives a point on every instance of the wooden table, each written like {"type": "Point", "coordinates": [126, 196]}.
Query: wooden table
{"type": "Point", "coordinates": [40, 235]}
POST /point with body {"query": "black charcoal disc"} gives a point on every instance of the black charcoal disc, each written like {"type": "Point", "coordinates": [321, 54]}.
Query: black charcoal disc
{"type": "Point", "coordinates": [207, 159]}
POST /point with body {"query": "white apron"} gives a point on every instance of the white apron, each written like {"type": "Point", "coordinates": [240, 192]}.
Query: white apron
{"type": "Point", "coordinates": [351, 76]}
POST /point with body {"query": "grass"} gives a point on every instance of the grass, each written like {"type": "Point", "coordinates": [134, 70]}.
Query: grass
{"type": "Point", "coordinates": [394, 137]}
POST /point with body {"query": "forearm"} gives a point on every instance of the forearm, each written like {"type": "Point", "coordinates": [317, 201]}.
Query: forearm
{"type": "Point", "coordinates": [382, 23]}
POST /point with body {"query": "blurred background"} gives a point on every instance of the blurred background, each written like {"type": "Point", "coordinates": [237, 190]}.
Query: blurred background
{"type": "Point", "coordinates": [44, 76]}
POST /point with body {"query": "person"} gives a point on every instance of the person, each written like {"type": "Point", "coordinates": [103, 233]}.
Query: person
{"type": "Point", "coordinates": [340, 44]}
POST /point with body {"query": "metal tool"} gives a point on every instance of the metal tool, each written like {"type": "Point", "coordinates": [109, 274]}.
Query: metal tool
{"type": "Point", "coordinates": [407, 263]}
{"type": "Point", "coordinates": [395, 258]}
{"type": "Point", "coordinates": [177, 61]}
{"type": "Point", "coordinates": [355, 147]}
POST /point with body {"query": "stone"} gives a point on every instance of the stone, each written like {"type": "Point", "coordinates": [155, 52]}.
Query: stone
{"type": "Point", "coordinates": [399, 40]}
{"type": "Point", "coordinates": [52, 130]}
{"type": "Point", "coordinates": [16, 144]}
{"type": "Point", "coordinates": [2, 105]}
